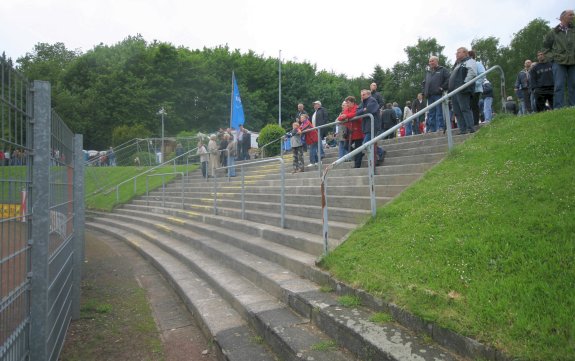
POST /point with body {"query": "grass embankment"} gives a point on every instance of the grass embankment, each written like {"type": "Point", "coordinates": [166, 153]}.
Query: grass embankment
{"type": "Point", "coordinates": [484, 244]}
{"type": "Point", "coordinates": [103, 180]}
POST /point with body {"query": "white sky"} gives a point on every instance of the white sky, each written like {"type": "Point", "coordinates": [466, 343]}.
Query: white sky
{"type": "Point", "coordinates": [348, 37]}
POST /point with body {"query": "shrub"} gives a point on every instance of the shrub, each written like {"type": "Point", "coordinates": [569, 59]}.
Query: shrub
{"type": "Point", "coordinates": [268, 134]}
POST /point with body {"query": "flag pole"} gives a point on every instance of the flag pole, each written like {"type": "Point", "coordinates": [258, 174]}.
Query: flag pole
{"type": "Point", "coordinates": [280, 89]}
{"type": "Point", "coordinates": [232, 101]}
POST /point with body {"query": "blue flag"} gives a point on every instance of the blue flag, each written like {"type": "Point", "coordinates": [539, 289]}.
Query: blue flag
{"type": "Point", "coordinates": [237, 117]}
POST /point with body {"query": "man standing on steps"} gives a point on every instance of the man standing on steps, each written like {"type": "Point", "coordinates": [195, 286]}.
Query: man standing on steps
{"type": "Point", "coordinates": [377, 95]}
{"type": "Point", "coordinates": [370, 106]}
{"type": "Point", "coordinates": [435, 83]}
{"type": "Point", "coordinates": [318, 118]}
{"type": "Point", "coordinates": [463, 71]}
{"type": "Point", "coordinates": [560, 50]}
{"type": "Point", "coordinates": [522, 86]}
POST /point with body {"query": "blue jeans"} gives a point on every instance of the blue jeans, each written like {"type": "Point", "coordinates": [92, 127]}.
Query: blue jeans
{"type": "Point", "coordinates": [434, 116]}
{"type": "Point", "coordinates": [367, 138]}
{"type": "Point", "coordinates": [342, 148]}
{"type": "Point", "coordinates": [487, 111]}
{"type": "Point", "coordinates": [231, 163]}
{"type": "Point", "coordinates": [313, 153]}
{"type": "Point", "coordinates": [563, 74]}
{"type": "Point", "coordinates": [408, 129]}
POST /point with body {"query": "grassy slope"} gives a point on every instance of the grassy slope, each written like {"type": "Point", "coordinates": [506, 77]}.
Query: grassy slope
{"type": "Point", "coordinates": [485, 243]}
{"type": "Point", "coordinates": [108, 177]}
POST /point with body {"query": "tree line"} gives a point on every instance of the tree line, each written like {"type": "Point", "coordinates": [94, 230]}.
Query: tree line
{"type": "Point", "coordinates": [112, 93]}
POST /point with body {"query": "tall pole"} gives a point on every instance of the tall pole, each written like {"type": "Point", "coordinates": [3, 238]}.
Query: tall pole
{"type": "Point", "coordinates": [280, 89]}
{"type": "Point", "coordinates": [232, 101]}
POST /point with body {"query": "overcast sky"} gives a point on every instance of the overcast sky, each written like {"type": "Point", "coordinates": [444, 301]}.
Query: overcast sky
{"type": "Point", "coordinates": [349, 37]}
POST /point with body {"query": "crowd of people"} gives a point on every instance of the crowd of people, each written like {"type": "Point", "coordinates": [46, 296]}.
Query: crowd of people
{"type": "Point", "coordinates": [14, 156]}
{"type": "Point", "coordinates": [223, 149]}
{"type": "Point", "coordinates": [540, 86]}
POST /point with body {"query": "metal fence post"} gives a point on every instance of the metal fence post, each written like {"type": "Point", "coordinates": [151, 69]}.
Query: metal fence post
{"type": "Point", "coordinates": [78, 223]}
{"type": "Point", "coordinates": [41, 222]}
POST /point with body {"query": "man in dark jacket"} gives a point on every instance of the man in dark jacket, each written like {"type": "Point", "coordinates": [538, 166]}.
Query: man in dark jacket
{"type": "Point", "coordinates": [522, 86]}
{"type": "Point", "coordinates": [463, 71]}
{"type": "Point", "coordinates": [416, 106]}
{"type": "Point", "coordinates": [318, 118]}
{"type": "Point", "coordinates": [369, 105]}
{"type": "Point", "coordinates": [377, 95]}
{"type": "Point", "coordinates": [389, 119]}
{"type": "Point", "coordinates": [435, 83]}
{"type": "Point", "coordinates": [560, 51]}
{"type": "Point", "coordinates": [541, 75]}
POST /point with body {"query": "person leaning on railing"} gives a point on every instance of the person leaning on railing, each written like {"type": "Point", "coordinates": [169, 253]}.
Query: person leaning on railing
{"type": "Point", "coordinates": [355, 137]}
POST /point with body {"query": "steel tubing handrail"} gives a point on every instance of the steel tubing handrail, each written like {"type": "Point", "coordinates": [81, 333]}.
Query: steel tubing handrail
{"type": "Point", "coordinates": [163, 187]}
{"type": "Point", "coordinates": [444, 99]}
{"type": "Point", "coordinates": [134, 178]}
{"type": "Point", "coordinates": [247, 164]}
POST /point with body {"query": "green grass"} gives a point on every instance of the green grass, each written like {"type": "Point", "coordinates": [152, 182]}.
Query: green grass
{"type": "Point", "coordinates": [381, 317]}
{"type": "Point", "coordinates": [100, 183]}
{"type": "Point", "coordinates": [349, 301]}
{"type": "Point", "coordinates": [484, 244]}
{"type": "Point", "coordinates": [327, 345]}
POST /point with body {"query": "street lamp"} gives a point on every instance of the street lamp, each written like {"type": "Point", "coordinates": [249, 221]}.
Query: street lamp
{"type": "Point", "coordinates": [162, 112]}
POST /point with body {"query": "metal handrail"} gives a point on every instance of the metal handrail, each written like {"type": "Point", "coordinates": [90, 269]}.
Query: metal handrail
{"type": "Point", "coordinates": [262, 148]}
{"type": "Point", "coordinates": [134, 178]}
{"type": "Point", "coordinates": [247, 164]}
{"type": "Point", "coordinates": [163, 187]}
{"type": "Point", "coordinates": [444, 99]}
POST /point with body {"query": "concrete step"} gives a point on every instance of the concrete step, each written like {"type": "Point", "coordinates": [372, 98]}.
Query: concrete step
{"type": "Point", "coordinates": [356, 214]}
{"type": "Point", "coordinates": [232, 335]}
{"type": "Point", "coordinates": [291, 188]}
{"type": "Point", "coordinates": [233, 273]}
{"type": "Point", "coordinates": [298, 240]}
{"type": "Point", "coordinates": [311, 199]}
{"type": "Point", "coordinates": [289, 335]}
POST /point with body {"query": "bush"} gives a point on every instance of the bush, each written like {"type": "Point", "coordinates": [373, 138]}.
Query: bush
{"type": "Point", "coordinates": [268, 134]}
{"type": "Point", "coordinates": [146, 159]}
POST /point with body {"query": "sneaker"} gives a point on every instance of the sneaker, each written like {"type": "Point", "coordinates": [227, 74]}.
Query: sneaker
{"type": "Point", "coordinates": [310, 165]}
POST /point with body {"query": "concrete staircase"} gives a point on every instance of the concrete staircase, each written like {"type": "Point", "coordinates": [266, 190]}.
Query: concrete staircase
{"type": "Point", "coordinates": [252, 285]}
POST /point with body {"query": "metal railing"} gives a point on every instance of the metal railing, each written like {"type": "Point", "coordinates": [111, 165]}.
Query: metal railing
{"type": "Point", "coordinates": [163, 175]}
{"type": "Point", "coordinates": [441, 101]}
{"type": "Point", "coordinates": [249, 164]}
{"type": "Point", "coordinates": [146, 172]}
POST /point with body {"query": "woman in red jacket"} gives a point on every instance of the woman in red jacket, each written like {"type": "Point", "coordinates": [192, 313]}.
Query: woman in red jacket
{"type": "Point", "coordinates": [355, 133]}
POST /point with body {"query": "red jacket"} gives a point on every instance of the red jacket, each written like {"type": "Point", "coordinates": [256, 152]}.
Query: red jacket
{"type": "Point", "coordinates": [354, 126]}
{"type": "Point", "coordinates": [310, 137]}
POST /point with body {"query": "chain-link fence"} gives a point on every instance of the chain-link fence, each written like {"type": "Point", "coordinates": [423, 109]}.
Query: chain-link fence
{"type": "Point", "coordinates": [41, 221]}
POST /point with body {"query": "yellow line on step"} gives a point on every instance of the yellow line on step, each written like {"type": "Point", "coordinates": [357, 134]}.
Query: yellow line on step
{"type": "Point", "coordinates": [163, 227]}
{"type": "Point", "coordinates": [177, 220]}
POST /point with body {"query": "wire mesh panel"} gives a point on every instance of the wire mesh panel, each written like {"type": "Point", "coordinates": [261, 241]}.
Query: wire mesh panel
{"type": "Point", "coordinates": [15, 186]}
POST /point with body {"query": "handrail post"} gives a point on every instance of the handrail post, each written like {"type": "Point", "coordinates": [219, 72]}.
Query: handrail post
{"type": "Point", "coordinates": [447, 119]}
{"type": "Point", "coordinates": [242, 194]}
{"type": "Point", "coordinates": [282, 192]}
{"type": "Point", "coordinates": [163, 191]}
{"type": "Point", "coordinates": [183, 190]}
{"type": "Point", "coordinates": [117, 194]}
{"type": "Point", "coordinates": [215, 194]}
{"type": "Point", "coordinates": [319, 145]}
{"type": "Point", "coordinates": [282, 147]}
{"type": "Point", "coordinates": [325, 225]}
{"type": "Point", "coordinates": [147, 192]}
{"type": "Point", "coordinates": [135, 186]}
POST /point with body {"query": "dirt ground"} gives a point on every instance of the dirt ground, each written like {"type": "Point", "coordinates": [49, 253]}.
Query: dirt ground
{"type": "Point", "coordinates": [129, 312]}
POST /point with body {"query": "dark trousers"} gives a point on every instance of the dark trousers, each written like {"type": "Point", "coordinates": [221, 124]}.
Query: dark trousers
{"type": "Point", "coordinates": [541, 95]}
